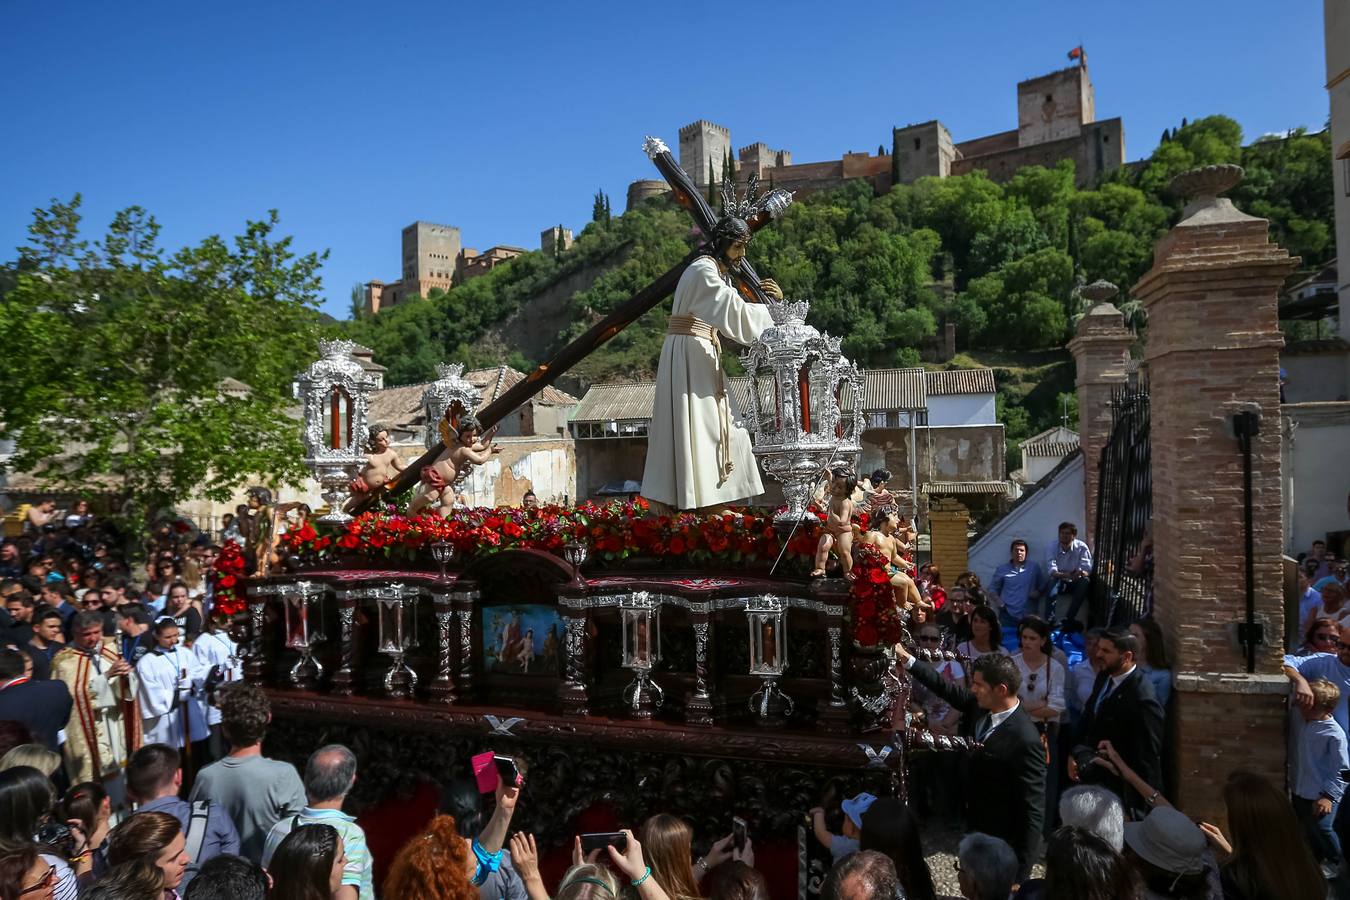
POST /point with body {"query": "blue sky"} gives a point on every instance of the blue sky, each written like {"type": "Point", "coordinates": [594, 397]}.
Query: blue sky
{"type": "Point", "coordinates": [355, 119]}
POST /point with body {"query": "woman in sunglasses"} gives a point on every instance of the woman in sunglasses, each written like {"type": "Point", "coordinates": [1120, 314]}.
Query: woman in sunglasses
{"type": "Point", "coordinates": [25, 875]}
{"type": "Point", "coordinates": [1321, 637]}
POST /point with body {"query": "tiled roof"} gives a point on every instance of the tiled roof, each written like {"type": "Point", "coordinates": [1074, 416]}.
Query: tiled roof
{"type": "Point", "coordinates": [401, 406]}
{"type": "Point", "coordinates": [883, 390]}
{"type": "Point", "coordinates": [936, 488]}
{"type": "Point", "coordinates": [616, 402]}
{"type": "Point", "coordinates": [1049, 448]}
{"type": "Point", "coordinates": [960, 381]}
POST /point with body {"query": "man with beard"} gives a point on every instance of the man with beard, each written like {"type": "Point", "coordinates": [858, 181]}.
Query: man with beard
{"type": "Point", "coordinates": [1124, 710]}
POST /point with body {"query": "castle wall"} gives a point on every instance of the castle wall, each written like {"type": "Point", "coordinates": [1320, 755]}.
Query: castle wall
{"type": "Point", "coordinates": [1099, 148]}
{"type": "Point", "coordinates": [1055, 106]}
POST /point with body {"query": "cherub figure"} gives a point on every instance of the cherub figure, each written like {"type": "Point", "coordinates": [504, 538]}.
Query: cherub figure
{"type": "Point", "coordinates": [887, 525]}
{"type": "Point", "coordinates": [382, 463]}
{"type": "Point", "coordinates": [464, 450]}
{"type": "Point", "coordinates": [838, 534]}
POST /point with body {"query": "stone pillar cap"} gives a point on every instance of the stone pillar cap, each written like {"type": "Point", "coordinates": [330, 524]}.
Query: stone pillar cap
{"type": "Point", "coordinates": [1099, 291]}
{"type": "Point", "coordinates": [1202, 189]}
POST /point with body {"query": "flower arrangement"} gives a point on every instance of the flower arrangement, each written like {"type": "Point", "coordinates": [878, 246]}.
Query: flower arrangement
{"type": "Point", "coordinates": [614, 531]}
{"type": "Point", "coordinates": [874, 617]}
{"type": "Point", "coordinates": [227, 573]}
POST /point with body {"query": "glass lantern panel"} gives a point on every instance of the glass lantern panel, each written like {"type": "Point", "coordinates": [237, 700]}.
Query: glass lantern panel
{"type": "Point", "coordinates": [770, 415]}
{"type": "Point", "coordinates": [804, 394]}
{"type": "Point", "coordinates": [391, 627]}
{"type": "Point", "coordinates": [337, 426]}
{"type": "Point", "coordinates": [846, 399]}
{"type": "Point", "coordinates": [822, 398]}
{"type": "Point", "coordinates": [297, 623]}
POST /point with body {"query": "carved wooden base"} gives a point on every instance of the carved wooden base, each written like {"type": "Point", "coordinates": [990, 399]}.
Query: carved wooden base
{"type": "Point", "coordinates": [574, 700]}
{"type": "Point", "coordinates": [833, 719]}
{"type": "Point", "coordinates": [442, 690]}
{"type": "Point", "coordinates": [344, 683]}
{"type": "Point", "coordinates": [698, 711]}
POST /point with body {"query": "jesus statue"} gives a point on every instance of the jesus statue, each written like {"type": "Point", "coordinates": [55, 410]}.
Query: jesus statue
{"type": "Point", "coordinates": [699, 455]}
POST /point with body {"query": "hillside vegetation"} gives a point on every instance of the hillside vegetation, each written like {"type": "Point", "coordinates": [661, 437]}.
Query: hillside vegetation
{"type": "Point", "coordinates": [884, 273]}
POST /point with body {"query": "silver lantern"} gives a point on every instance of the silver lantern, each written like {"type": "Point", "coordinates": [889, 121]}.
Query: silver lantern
{"type": "Point", "coordinates": [396, 617]}
{"type": "Point", "coordinates": [767, 616]}
{"type": "Point", "coordinates": [805, 404]}
{"type": "Point", "coordinates": [300, 601]}
{"type": "Point", "coordinates": [335, 393]}
{"type": "Point", "coordinates": [450, 391]}
{"type": "Point", "coordinates": [640, 613]}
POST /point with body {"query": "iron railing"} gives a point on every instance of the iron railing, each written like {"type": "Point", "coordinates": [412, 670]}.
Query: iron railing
{"type": "Point", "coordinates": [1122, 576]}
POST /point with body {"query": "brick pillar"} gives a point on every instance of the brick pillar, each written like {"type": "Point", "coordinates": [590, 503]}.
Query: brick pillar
{"type": "Point", "coordinates": [1101, 350]}
{"type": "Point", "coordinates": [1213, 350]}
{"type": "Point", "coordinates": [948, 521]}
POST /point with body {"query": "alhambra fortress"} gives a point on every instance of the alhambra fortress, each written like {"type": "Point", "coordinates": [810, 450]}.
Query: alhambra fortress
{"type": "Point", "coordinates": [1056, 120]}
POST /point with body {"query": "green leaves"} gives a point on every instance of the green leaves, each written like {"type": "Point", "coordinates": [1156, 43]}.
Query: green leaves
{"type": "Point", "coordinates": [124, 349]}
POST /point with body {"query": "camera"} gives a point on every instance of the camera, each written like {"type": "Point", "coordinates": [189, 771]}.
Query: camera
{"type": "Point", "coordinates": [56, 834]}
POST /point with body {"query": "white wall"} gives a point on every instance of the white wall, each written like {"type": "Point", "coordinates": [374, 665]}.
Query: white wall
{"type": "Point", "coordinates": [1037, 467]}
{"type": "Point", "coordinates": [1034, 520]}
{"type": "Point", "coordinates": [1316, 472]}
{"type": "Point", "coordinates": [961, 409]}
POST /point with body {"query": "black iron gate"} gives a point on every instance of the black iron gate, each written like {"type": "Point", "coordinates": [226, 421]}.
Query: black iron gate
{"type": "Point", "coordinates": [1122, 575]}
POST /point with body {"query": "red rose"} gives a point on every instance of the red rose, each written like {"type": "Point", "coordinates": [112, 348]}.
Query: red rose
{"type": "Point", "coordinates": [226, 582]}
{"type": "Point", "coordinates": [866, 609]}
{"type": "Point", "coordinates": [348, 542]}
{"type": "Point", "coordinates": [866, 635]}
{"type": "Point", "coordinates": [677, 546]}
{"type": "Point", "coordinates": [307, 532]}
{"type": "Point", "coordinates": [877, 576]}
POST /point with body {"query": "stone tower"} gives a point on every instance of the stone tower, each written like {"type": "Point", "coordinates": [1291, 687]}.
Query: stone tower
{"type": "Point", "coordinates": [701, 142]}
{"type": "Point", "coordinates": [922, 150]}
{"type": "Point", "coordinates": [1054, 106]}
{"type": "Point", "coordinates": [429, 252]}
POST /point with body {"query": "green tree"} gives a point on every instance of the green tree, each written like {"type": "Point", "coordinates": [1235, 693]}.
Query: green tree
{"type": "Point", "coordinates": [358, 300]}
{"type": "Point", "coordinates": [600, 208]}
{"type": "Point", "coordinates": [156, 332]}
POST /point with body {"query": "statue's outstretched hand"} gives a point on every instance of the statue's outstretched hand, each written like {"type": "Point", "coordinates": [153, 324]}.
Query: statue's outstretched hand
{"type": "Point", "coordinates": [771, 288]}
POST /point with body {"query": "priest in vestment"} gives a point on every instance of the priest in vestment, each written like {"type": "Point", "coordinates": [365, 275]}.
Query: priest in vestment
{"type": "Point", "coordinates": [699, 455]}
{"type": "Point", "coordinates": [168, 676]}
{"type": "Point", "coordinates": [105, 726]}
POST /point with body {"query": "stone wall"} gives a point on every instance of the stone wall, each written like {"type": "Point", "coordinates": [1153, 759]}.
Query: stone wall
{"type": "Point", "coordinates": [1098, 148]}
{"type": "Point", "coordinates": [699, 142]}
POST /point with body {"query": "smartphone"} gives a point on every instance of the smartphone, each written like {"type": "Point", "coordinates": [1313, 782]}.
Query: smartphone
{"type": "Point", "coordinates": [738, 834]}
{"type": "Point", "coordinates": [507, 770]}
{"type": "Point", "coordinates": [599, 840]}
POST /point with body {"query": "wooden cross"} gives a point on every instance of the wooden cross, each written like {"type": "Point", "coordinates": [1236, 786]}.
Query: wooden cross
{"type": "Point", "coordinates": [687, 195]}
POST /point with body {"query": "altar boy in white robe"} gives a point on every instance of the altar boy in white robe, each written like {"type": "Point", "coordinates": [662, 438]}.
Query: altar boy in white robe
{"type": "Point", "coordinates": [216, 651]}
{"type": "Point", "coordinates": [169, 675]}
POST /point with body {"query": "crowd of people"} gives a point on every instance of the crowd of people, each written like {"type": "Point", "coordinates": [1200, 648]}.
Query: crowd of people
{"type": "Point", "coordinates": [131, 761]}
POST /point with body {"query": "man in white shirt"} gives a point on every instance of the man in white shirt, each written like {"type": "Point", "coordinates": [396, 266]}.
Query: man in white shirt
{"type": "Point", "coordinates": [1069, 567]}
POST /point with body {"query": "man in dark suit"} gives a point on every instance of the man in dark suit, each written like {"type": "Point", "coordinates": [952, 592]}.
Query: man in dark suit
{"type": "Point", "coordinates": [1124, 710]}
{"type": "Point", "coordinates": [43, 706]}
{"type": "Point", "coordinates": [1005, 778]}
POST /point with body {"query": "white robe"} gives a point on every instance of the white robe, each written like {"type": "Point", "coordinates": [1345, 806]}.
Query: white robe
{"type": "Point", "coordinates": [215, 649]}
{"type": "Point", "coordinates": [685, 431]}
{"type": "Point", "coordinates": [162, 681]}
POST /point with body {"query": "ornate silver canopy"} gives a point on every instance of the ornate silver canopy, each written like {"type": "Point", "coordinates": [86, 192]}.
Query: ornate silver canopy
{"type": "Point", "coordinates": [449, 387]}
{"type": "Point", "coordinates": [805, 404]}
{"type": "Point", "coordinates": [335, 392]}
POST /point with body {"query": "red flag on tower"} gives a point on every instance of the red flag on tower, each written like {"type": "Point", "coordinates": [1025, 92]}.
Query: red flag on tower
{"type": "Point", "coordinates": [1079, 54]}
